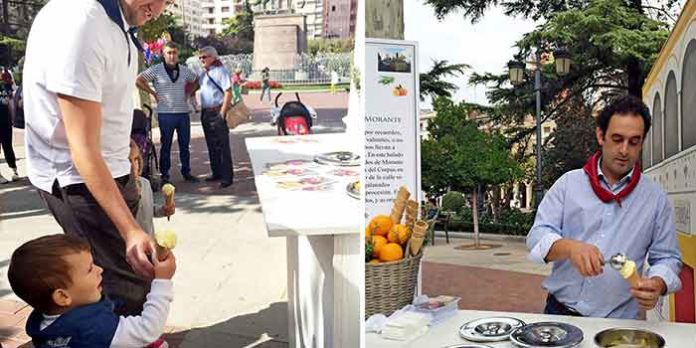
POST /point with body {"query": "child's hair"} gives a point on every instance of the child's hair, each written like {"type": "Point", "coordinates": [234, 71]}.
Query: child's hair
{"type": "Point", "coordinates": [38, 268]}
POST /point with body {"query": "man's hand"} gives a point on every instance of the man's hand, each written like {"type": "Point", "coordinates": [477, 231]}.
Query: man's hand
{"type": "Point", "coordinates": [587, 259]}
{"type": "Point", "coordinates": [166, 268]}
{"type": "Point", "coordinates": [648, 291]}
{"type": "Point", "coordinates": [139, 246]}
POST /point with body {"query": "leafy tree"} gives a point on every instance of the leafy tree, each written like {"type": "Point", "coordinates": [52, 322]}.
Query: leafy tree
{"type": "Point", "coordinates": [225, 44]}
{"type": "Point", "coordinates": [433, 84]}
{"type": "Point", "coordinates": [663, 10]}
{"type": "Point", "coordinates": [571, 144]}
{"type": "Point", "coordinates": [461, 157]}
{"type": "Point", "coordinates": [241, 25]}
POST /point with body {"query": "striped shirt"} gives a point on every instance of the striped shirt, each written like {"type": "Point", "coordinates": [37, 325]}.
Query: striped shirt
{"type": "Point", "coordinates": [173, 98]}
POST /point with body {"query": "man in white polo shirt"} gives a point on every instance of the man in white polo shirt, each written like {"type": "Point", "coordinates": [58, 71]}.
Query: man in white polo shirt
{"type": "Point", "coordinates": [79, 74]}
{"type": "Point", "coordinates": [170, 80]}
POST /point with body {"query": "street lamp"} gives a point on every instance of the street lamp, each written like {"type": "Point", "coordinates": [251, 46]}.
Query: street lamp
{"type": "Point", "coordinates": [516, 70]}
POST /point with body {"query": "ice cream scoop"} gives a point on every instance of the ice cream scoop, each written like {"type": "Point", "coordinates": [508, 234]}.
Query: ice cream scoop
{"type": "Point", "coordinates": [166, 241]}
{"type": "Point", "coordinates": [626, 267]}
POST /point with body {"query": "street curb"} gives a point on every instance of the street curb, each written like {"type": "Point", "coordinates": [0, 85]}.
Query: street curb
{"type": "Point", "coordinates": [488, 236]}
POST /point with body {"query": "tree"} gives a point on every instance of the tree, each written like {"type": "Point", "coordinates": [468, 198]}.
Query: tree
{"type": "Point", "coordinates": [461, 157]}
{"type": "Point", "coordinates": [225, 44]}
{"type": "Point", "coordinates": [154, 29]}
{"type": "Point", "coordinates": [571, 144]}
{"type": "Point", "coordinates": [433, 84]}
{"type": "Point", "coordinates": [663, 10]}
{"type": "Point", "coordinates": [241, 25]}
{"type": "Point", "coordinates": [315, 46]}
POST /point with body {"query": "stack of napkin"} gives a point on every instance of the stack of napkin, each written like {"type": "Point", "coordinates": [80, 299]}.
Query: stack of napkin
{"type": "Point", "coordinates": [406, 326]}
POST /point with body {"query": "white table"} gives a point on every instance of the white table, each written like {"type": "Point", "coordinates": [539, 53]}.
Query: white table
{"type": "Point", "coordinates": [323, 240]}
{"type": "Point", "coordinates": [676, 335]}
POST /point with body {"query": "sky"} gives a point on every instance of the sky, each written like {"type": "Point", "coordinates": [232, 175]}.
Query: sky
{"type": "Point", "coordinates": [486, 46]}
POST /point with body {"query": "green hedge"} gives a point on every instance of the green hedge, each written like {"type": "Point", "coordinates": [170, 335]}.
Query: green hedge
{"type": "Point", "coordinates": [510, 222]}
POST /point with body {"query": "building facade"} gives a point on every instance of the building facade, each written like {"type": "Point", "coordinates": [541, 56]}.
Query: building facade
{"type": "Point", "coordinates": [216, 12]}
{"type": "Point", "coordinates": [339, 18]}
{"type": "Point", "coordinates": [313, 10]}
{"type": "Point", "coordinates": [669, 151]}
{"type": "Point", "coordinates": [189, 15]}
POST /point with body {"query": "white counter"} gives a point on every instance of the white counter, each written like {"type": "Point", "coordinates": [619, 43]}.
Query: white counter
{"type": "Point", "coordinates": [676, 335]}
{"type": "Point", "coordinates": [322, 226]}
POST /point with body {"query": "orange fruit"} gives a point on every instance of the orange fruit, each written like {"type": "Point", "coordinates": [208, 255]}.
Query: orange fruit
{"type": "Point", "coordinates": [374, 262]}
{"type": "Point", "coordinates": [368, 233]}
{"type": "Point", "coordinates": [399, 234]}
{"type": "Point", "coordinates": [377, 243]}
{"type": "Point", "coordinates": [391, 252]}
{"type": "Point", "coordinates": [380, 225]}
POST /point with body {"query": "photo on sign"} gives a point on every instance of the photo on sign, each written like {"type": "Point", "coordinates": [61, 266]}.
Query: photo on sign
{"type": "Point", "coordinates": [394, 59]}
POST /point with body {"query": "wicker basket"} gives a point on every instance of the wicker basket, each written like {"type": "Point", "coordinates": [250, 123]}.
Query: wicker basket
{"type": "Point", "coordinates": [390, 286]}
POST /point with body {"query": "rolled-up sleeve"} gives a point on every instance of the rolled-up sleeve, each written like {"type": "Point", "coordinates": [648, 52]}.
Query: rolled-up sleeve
{"type": "Point", "coordinates": [664, 256]}
{"type": "Point", "coordinates": [548, 224]}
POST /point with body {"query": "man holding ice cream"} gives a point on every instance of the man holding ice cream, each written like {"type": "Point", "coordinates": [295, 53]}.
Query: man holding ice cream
{"type": "Point", "coordinates": [605, 208]}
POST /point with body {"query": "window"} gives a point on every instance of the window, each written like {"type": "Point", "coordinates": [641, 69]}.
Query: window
{"type": "Point", "coordinates": [333, 8]}
{"type": "Point", "coordinates": [671, 120]}
{"type": "Point", "coordinates": [225, 9]}
{"type": "Point", "coordinates": [547, 129]}
{"type": "Point", "coordinates": [657, 130]}
{"type": "Point", "coordinates": [688, 96]}
{"type": "Point", "coordinates": [211, 20]}
{"type": "Point", "coordinates": [210, 10]}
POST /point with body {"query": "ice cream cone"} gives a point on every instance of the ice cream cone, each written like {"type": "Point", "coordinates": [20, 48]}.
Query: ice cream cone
{"type": "Point", "coordinates": [415, 244]}
{"type": "Point", "coordinates": [411, 213]}
{"type": "Point", "coordinates": [403, 194]}
{"type": "Point", "coordinates": [397, 211]}
{"type": "Point", "coordinates": [420, 228]}
{"type": "Point", "coordinates": [633, 279]}
{"type": "Point", "coordinates": [165, 242]}
{"type": "Point", "coordinates": [168, 190]}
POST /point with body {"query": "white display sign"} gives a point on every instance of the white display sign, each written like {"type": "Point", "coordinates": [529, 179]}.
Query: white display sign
{"type": "Point", "coordinates": [392, 135]}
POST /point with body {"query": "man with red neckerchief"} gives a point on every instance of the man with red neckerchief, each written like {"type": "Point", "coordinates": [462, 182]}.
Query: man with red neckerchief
{"type": "Point", "coordinates": [607, 207]}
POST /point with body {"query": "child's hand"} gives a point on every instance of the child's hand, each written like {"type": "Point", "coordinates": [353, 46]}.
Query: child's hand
{"type": "Point", "coordinates": [166, 268]}
{"type": "Point", "coordinates": [169, 210]}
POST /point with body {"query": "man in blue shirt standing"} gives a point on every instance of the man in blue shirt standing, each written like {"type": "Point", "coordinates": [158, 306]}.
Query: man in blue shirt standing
{"type": "Point", "coordinates": [607, 207]}
{"type": "Point", "coordinates": [216, 99]}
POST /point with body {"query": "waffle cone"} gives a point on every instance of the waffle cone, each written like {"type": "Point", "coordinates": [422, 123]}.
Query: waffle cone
{"type": "Point", "coordinates": [633, 279]}
{"type": "Point", "coordinates": [416, 243]}
{"type": "Point", "coordinates": [162, 252]}
{"type": "Point", "coordinates": [403, 194]}
{"type": "Point", "coordinates": [420, 228]}
{"type": "Point", "coordinates": [397, 211]}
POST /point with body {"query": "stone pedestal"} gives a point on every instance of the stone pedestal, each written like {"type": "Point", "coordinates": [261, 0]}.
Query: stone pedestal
{"type": "Point", "coordinates": [277, 41]}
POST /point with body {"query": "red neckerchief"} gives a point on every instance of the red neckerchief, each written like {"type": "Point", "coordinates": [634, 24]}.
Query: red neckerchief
{"type": "Point", "coordinates": [604, 195]}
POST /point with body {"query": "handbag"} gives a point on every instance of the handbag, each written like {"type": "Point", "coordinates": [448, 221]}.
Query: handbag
{"type": "Point", "coordinates": [237, 114]}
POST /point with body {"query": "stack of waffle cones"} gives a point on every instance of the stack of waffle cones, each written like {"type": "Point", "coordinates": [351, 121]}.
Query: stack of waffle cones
{"type": "Point", "coordinates": [399, 205]}
{"type": "Point", "coordinates": [411, 213]}
{"type": "Point", "coordinates": [418, 236]}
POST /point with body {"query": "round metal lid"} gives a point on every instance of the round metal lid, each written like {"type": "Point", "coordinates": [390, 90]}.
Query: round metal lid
{"type": "Point", "coordinates": [353, 190]}
{"type": "Point", "coordinates": [491, 329]}
{"type": "Point", "coordinates": [547, 334]}
{"type": "Point", "coordinates": [340, 158]}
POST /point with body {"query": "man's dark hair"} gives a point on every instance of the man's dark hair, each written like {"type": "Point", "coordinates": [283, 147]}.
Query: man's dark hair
{"type": "Point", "coordinates": [38, 268]}
{"type": "Point", "coordinates": [172, 45]}
{"type": "Point", "coordinates": [627, 105]}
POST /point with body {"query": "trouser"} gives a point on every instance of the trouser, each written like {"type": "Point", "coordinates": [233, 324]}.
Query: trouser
{"type": "Point", "coordinates": [266, 90]}
{"type": "Point", "coordinates": [6, 137]}
{"type": "Point", "coordinates": [79, 214]}
{"type": "Point", "coordinates": [553, 306]}
{"type": "Point", "coordinates": [181, 123]}
{"type": "Point", "coordinates": [218, 140]}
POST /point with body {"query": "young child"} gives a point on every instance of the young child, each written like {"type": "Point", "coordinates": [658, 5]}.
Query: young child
{"type": "Point", "coordinates": [56, 275]}
{"type": "Point", "coordinates": [146, 208]}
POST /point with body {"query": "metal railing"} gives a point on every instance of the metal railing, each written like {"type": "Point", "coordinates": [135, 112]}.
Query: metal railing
{"type": "Point", "coordinates": [310, 69]}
